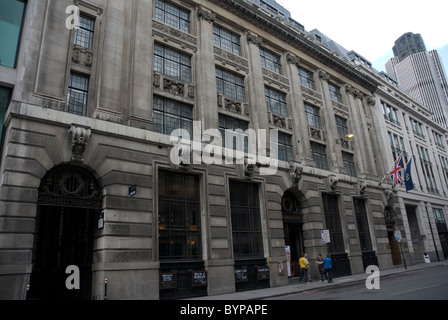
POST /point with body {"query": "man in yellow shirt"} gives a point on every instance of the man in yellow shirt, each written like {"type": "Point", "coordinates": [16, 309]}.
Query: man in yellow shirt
{"type": "Point", "coordinates": [304, 264]}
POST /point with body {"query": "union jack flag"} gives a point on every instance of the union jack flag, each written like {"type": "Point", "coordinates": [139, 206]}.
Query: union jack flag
{"type": "Point", "coordinates": [397, 172]}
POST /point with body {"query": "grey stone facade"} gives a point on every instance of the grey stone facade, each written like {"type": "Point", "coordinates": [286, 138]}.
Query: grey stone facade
{"type": "Point", "coordinates": [116, 145]}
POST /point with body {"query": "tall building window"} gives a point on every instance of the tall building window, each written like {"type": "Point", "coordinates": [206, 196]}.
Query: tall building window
{"type": "Point", "coordinates": [240, 140]}
{"type": "Point", "coordinates": [417, 128]}
{"type": "Point", "coordinates": [342, 126]}
{"type": "Point", "coordinates": [11, 18]}
{"type": "Point", "coordinates": [172, 63]}
{"type": "Point", "coordinates": [170, 115]}
{"type": "Point", "coordinates": [428, 173]}
{"type": "Point", "coordinates": [335, 92]}
{"type": "Point", "coordinates": [179, 216]}
{"type": "Point", "coordinates": [390, 113]}
{"type": "Point", "coordinates": [78, 90]}
{"type": "Point", "coordinates": [5, 95]}
{"type": "Point", "coordinates": [306, 78]}
{"type": "Point", "coordinates": [333, 223]}
{"type": "Point", "coordinates": [349, 163]}
{"type": "Point", "coordinates": [363, 225]}
{"type": "Point", "coordinates": [284, 144]}
{"type": "Point", "coordinates": [230, 84]}
{"type": "Point", "coordinates": [226, 40]}
{"type": "Point", "coordinates": [444, 164]}
{"type": "Point", "coordinates": [84, 35]}
{"type": "Point", "coordinates": [172, 15]}
{"type": "Point", "coordinates": [313, 116]}
{"type": "Point", "coordinates": [276, 101]}
{"type": "Point", "coordinates": [270, 60]}
{"type": "Point", "coordinates": [319, 155]}
{"type": "Point", "coordinates": [246, 220]}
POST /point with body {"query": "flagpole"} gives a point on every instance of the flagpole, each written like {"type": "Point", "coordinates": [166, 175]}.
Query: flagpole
{"type": "Point", "coordinates": [388, 172]}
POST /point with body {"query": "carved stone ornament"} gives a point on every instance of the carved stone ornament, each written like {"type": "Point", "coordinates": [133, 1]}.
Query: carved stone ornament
{"type": "Point", "coordinates": [254, 39]}
{"type": "Point", "coordinates": [174, 87]}
{"type": "Point", "coordinates": [333, 180]}
{"type": "Point", "coordinates": [79, 138]}
{"type": "Point", "coordinates": [70, 186]}
{"type": "Point", "coordinates": [295, 172]}
{"type": "Point", "coordinates": [389, 197]}
{"type": "Point", "coordinates": [205, 15]}
{"type": "Point", "coordinates": [249, 169]}
{"type": "Point", "coordinates": [292, 59]}
{"type": "Point", "coordinates": [362, 186]}
{"type": "Point", "coordinates": [323, 75]}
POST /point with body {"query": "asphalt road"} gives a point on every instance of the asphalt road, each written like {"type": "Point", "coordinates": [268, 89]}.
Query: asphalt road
{"type": "Point", "coordinates": [425, 284]}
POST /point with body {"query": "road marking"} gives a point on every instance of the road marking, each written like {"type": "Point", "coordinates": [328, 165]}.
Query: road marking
{"type": "Point", "coordinates": [412, 290]}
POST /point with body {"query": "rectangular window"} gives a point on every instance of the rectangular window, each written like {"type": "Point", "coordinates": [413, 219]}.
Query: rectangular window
{"type": "Point", "coordinates": [363, 225]}
{"type": "Point", "coordinates": [5, 96]}
{"type": "Point", "coordinates": [226, 40]}
{"type": "Point", "coordinates": [342, 127]}
{"type": "Point", "coordinates": [172, 63]}
{"type": "Point", "coordinates": [319, 155]}
{"type": "Point", "coordinates": [246, 220]}
{"type": "Point", "coordinates": [179, 216]}
{"type": "Point", "coordinates": [84, 35]}
{"type": "Point", "coordinates": [285, 150]}
{"type": "Point", "coordinates": [78, 90]}
{"type": "Point", "coordinates": [306, 78]}
{"type": "Point", "coordinates": [270, 60]}
{"type": "Point", "coordinates": [333, 223]}
{"type": "Point", "coordinates": [439, 216]}
{"type": "Point", "coordinates": [313, 116]}
{"type": "Point", "coordinates": [240, 141]}
{"type": "Point", "coordinates": [349, 163]}
{"type": "Point", "coordinates": [335, 92]}
{"type": "Point", "coordinates": [276, 101]}
{"type": "Point", "coordinates": [230, 84]}
{"type": "Point", "coordinates": [172, 15]}
{"type": "Point", "coordinates": [11, 18]}
{"type": "Point", "coordinates": [170, 115]}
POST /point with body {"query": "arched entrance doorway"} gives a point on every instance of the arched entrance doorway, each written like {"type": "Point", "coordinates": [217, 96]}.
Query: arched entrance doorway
{"type": "Point", "coordinates": [69, 204]}
{"type": "Point", "coordinates": [292, 224]}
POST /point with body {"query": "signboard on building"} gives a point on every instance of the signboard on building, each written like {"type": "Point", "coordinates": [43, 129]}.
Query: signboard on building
{"type": "Point", "coordinates": [325, 234]}
{"type": "Point", "coordinates": [397, 235]}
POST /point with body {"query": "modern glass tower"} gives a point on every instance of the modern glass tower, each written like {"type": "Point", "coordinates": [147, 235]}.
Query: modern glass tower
{"type": "Point", "coordinates": [421, 73]}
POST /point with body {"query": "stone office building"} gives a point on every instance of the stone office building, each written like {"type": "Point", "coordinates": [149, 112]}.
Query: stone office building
{"type": "Point", "coordinates": [88, 177]}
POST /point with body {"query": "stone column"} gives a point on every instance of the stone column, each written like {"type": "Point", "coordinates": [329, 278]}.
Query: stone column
{"type": "Point", "coordinates": [257, 95]}
{"type": "Point", "coordinates": [140, 113]}
{"type": "Point", "coordinates": [335, 163]}
{"type": "Point", "coordinates": [206, 101]}
{"type": "Point", "coordinates": [300, 126]}
{"type": "Point", "coordinates": [356, 125]}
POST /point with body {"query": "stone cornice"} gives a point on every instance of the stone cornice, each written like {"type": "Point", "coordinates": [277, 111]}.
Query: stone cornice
{"type": "Point", "coordinates": [250, 13]}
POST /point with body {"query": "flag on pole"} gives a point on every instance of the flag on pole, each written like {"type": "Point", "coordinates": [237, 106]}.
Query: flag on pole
{"type": "Point", "coordinates": [397, 172]}
{"type": "Point", "coordinates": [408, 176]}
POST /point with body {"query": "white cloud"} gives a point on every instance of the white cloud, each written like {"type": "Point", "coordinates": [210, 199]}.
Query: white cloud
{"type": "Point", "coordinates": [371, 27]}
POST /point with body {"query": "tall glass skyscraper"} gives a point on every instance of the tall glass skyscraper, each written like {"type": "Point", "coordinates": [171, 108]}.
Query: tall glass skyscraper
{"type": "Point", "coordinates": [421, 73]}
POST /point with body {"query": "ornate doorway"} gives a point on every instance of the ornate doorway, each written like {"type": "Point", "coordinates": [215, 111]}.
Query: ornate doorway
{"type": "Point", "coordinates": [293, 222]}
{"type": "Point", "coordinates": [69, 204]}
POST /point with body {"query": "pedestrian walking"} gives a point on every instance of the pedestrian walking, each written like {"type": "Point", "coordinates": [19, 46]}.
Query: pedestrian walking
{"type": "Point", "coordinates": [304, 264]}
{"type": "Point", "coordinates": [328, 264]}
{"type": "Point", "coordinates": [321, 267]}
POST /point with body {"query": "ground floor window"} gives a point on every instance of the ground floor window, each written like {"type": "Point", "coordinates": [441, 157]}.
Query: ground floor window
{"type": "Point", "coordinates": [246, 220]}
{"type": "Point", "coordinates": [179, 216]}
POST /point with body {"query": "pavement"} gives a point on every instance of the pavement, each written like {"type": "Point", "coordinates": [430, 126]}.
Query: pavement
{"type": "Point", "coordinates": [315, 284]}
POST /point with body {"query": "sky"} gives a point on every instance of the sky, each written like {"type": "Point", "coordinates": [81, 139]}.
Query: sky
{"type": "Point", "coordinates": [371, 27]}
